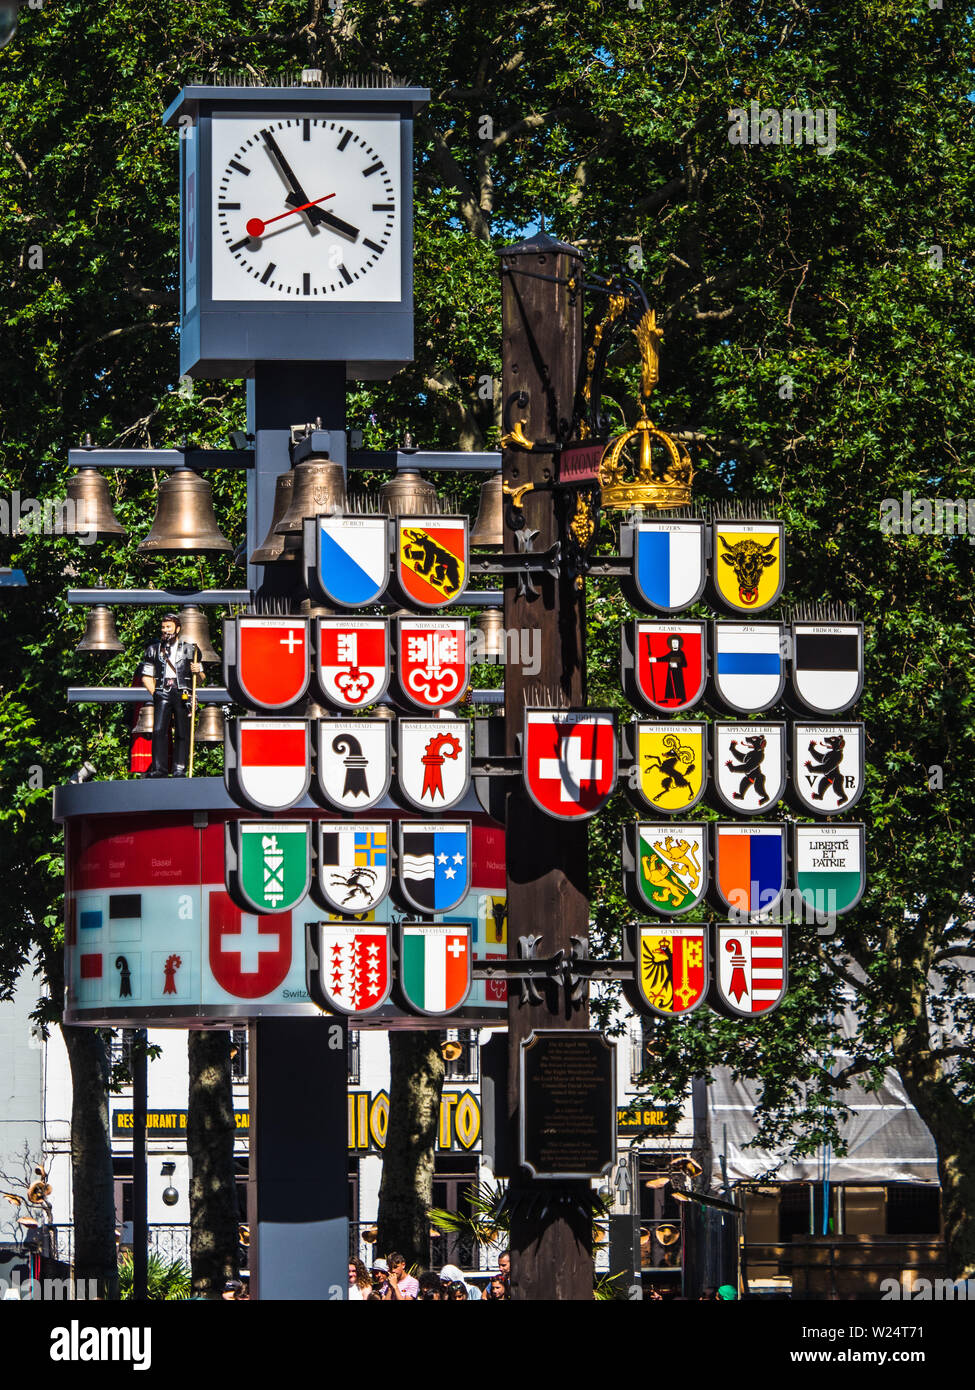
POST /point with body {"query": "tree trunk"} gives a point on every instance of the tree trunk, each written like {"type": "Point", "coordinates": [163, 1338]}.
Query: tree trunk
{"type": "Point", "coordinates": [210, 1129]}
{"type": "Point", "coordinates": [92, 1176]}
{"type": "Point", "coordinates": [950, 1122]}
{"type": "Point", "coordinates": [416, 1073]}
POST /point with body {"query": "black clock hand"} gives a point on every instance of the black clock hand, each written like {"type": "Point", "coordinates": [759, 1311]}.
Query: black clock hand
{"type": "Point", "coordinates": [298, 194]}
{"type": "Point", "coordinates": [328, 219]}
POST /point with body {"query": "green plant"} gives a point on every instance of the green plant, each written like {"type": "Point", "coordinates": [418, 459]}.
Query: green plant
{"type": "Point", "coordinates": [167, 1279]}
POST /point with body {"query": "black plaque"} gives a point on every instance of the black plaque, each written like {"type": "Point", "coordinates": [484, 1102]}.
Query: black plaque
{"type": "Point", "coordinates": [568, 1104]}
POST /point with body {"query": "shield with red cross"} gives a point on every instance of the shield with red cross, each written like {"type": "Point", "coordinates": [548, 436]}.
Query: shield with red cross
{"type": "Point", "coordinates": [266, 661]}
{"type": "Point", "coordinates": [569, 760]}
{"type": "Point", "coordinates": [250, 955]}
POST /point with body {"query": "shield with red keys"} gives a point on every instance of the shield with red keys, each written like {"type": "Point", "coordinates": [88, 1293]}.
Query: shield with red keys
{"type": "Point", "coordinates": [670, 666]}
{"type": "Point", "coordinates": [267, 763]}
{"type": "Point", "coordinates": [353, 660]}
{"type": "Point", "coordinates": [249, 955]}
{"type": "Point", "coordinates": [266, 661]}
{"type": "Point", "coordinates": [431, 559]}
{"type": "Point", "coordinates": [355, 969]}
{"type": "Point", "coordinates": [432, 665]}
{"type": "Point", "coordinates": [569, 760]}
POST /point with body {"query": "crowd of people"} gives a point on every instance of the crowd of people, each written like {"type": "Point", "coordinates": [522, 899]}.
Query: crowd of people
{"type": "Point", "coordinates": [388, 1281]}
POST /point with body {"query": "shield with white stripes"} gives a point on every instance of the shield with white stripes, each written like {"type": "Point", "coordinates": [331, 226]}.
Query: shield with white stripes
{"type": "Point", "coordinates": [350, 564]}
{"type": "Point", "coordinates": [751, 969]}
{"type": "Point", "coordinates": [749, 666]}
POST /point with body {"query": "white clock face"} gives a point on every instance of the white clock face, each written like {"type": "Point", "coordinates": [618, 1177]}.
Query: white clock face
{"type": "Point", "coordinates": [306, 209]}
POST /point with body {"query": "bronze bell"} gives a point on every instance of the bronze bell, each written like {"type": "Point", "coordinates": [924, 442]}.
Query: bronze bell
{"type": "Point", "coordinates": [88, 490]}
{"type": "Point", "coordinates": [143, 725]}
{"type": "Point", "coordinates": [319, 490]}
{"type": "Point", "coordinates": [100, 634]}
{"type": "Point", "coordinates": [184, 523]}
{"type": "Point", "coordinates": [273, 545]}
{"type": "Point", "coordinates": [193, 627]}
{"type": "Point", "coordinates": [383, 712]}
{"type": "Point", "coordinates": [209, 724]}
{"type": "Point", "coordinates": [408, 493]}
{"type": "Point", "coordinates": [490, 625]}
{"type": "Point", "coordinates": [488, 528]}
{"type": "Point", "coordinates": [309, 608]}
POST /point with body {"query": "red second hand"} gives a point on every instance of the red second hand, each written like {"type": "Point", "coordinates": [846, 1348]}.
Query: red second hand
{"type": "Point", "coordinates": [255, 227]}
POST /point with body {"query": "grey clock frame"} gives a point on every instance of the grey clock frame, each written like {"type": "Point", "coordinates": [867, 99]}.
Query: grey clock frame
{"type": "Point", "coordinates": [222, 339]}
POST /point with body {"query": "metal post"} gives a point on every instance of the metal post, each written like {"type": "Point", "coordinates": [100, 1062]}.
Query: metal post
{"type": "Point", "coordinates": [140, 1185]}
{"type": "Point", "coordinates": [548, 891]}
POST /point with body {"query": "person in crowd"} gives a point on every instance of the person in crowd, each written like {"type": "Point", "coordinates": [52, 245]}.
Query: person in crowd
{"type": "Point", "coordinates": [430, 1288]}
{"type": "Point", "coordinates": [360, 1285]}
{"type": "Point", "coordinates": [497, 1288]}
{"type": "Point", "coordinates": [402, 1285]}
{"type": "Point", "coordinates": [457, 1291]}
{"type": "Point", "coordinates": [380, 1278]}
{"type": "Point", "coordinates": [451, 1274]}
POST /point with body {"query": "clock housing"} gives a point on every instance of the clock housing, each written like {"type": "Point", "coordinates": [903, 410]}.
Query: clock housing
{"type": "Point", "coordinates": [325, 176]}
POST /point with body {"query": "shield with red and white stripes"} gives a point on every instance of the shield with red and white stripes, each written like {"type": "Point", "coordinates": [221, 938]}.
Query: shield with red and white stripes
{"type": "Point", "coordinates": [354, 966]}
{"type": "Point", "coordinates": [267, 762]}
{"type": "Point", "coordinates": [266, 662]}
{"type": "Point", "coordinates": [751, 969]}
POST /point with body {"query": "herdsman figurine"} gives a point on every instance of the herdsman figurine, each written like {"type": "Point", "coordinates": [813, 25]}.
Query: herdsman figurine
{"type": "Point", "coordinates": [167, 671]}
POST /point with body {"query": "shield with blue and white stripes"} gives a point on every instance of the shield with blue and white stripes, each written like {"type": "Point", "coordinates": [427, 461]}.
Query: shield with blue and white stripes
{"type": "Point", "coordinates": [350, 566]}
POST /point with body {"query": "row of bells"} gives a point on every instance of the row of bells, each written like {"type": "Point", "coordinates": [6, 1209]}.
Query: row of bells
{"type": "Point", "coordinates": [185, 523]}
{"type": "Point", "coordinates": [209, 723]}
{"type": "Point", "coordinates": [101, 636]}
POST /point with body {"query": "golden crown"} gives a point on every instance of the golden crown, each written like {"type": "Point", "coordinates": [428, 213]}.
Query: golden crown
{"type": "Point", "coordinates": [660, 483]}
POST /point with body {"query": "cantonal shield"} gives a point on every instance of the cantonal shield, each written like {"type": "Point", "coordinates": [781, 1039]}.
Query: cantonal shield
{"type": "Point", "coordinates": [354, 762]}
{"type": "Point", "coordinates": [355, 965]}
{"type": "Point", "coordinates": [671, 968]}
{"type": "Point", "coordinates": [749, 664]}
{"type": "Point", "coordinates": [350, 564]}
{"type": "Point", "coordinates": [669, 762]}
{"type": "Point", "coordinates": [434, 966]}
{"type": "Point", "coordinates": [431, 559]}
{"type": "Point", "coordinates": [267, 762]}
{"type": "Point", "coordinates": [250, 954]}
{"type": "Point", "coordinates": [829, 865]}
{"type": "Point", "coordinates": [352, 667]}
{"type": "Point", "coordinates": [749, 867]}
{"type": "Point", "coordinates": [266, 661]}
{"type": "Point", "coordinates": [668, 559]}
{"type": "Point", "coordinates": [432, 666]}
{"type": "Point", "coordinates": [749, 564]}
{"type": "Point", "coordinates": [827, 767]}
{"type": "Point", "coordinates": [827, 665]}
{"type": "Point", "coordinates": [354, 864]}
{"type": "Point", "coordinates": [569, 760]}
{"type": "Point", "coordinates": [670, 665]}
{"type": "Point", "coordinates": [665, 866]}
{"type": "Point", "coordinates": [751, 969]}
{"type": "Point", "coordinates": [749, 765]}
{"type": "Point", "coordinates": [433, 762]}
{"type": "Point", "coordinates": [434, 865]}
{"type": "Point", "coordinates": [267, 864]}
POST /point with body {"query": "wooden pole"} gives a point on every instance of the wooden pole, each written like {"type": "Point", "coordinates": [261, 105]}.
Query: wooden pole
{"type": "Point", "coordinates": [548, 889]}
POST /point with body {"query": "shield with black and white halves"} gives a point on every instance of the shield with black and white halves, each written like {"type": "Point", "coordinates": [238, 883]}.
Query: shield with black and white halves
{"type": "Point", "coordinates": [354, 864]}
{"type": "Point", "coordinates": [354, 762]}
{"type": "Point", "coordinates": [827, 665]}
{"type": "Point", "coordinates": [267, 864]}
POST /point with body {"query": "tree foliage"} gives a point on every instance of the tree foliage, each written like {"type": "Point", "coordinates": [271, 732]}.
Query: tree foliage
{"type": "Point", "coordinates": [818, 318]}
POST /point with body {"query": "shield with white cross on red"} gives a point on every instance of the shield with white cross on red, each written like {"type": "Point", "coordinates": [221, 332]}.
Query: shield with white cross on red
{"type": "Point", "coordinates": [569, 760]}
{"type": "Point", "coordinates": [266, 663]}
{"type": "Point", "coordinates": [249, 955]}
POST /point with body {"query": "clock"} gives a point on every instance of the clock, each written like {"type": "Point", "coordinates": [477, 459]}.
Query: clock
{"type": "Point", "coordinates": [307, 207]}
{"type": "Point", "coordinates": [296, 227]}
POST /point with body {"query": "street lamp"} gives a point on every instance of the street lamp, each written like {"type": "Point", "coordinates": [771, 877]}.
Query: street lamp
{"type": "Point", "coordinates": [170, 1195]}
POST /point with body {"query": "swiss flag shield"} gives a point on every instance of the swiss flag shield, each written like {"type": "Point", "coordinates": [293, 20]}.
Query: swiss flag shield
{"type": "Point", "coordinates": [249, 955]}
{"type": "Point", "coordinates": [570, 760]}
{"type": "Point", "coordinates": [268, 661]}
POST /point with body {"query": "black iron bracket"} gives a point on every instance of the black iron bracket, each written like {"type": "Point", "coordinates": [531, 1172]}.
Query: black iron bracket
{"type": "Point", "coordinates": [528, 562]}
{"type": "Point", "coordinates": [573, 971]}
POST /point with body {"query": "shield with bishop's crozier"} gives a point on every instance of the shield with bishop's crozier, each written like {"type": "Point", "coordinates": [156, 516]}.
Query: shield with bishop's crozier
{"type": "Point", "coordinates": [354, 762]}
{"type": "Point", "coordinates": [433, 762]}
{"type": "Point", "coordinates": [751, 967]}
